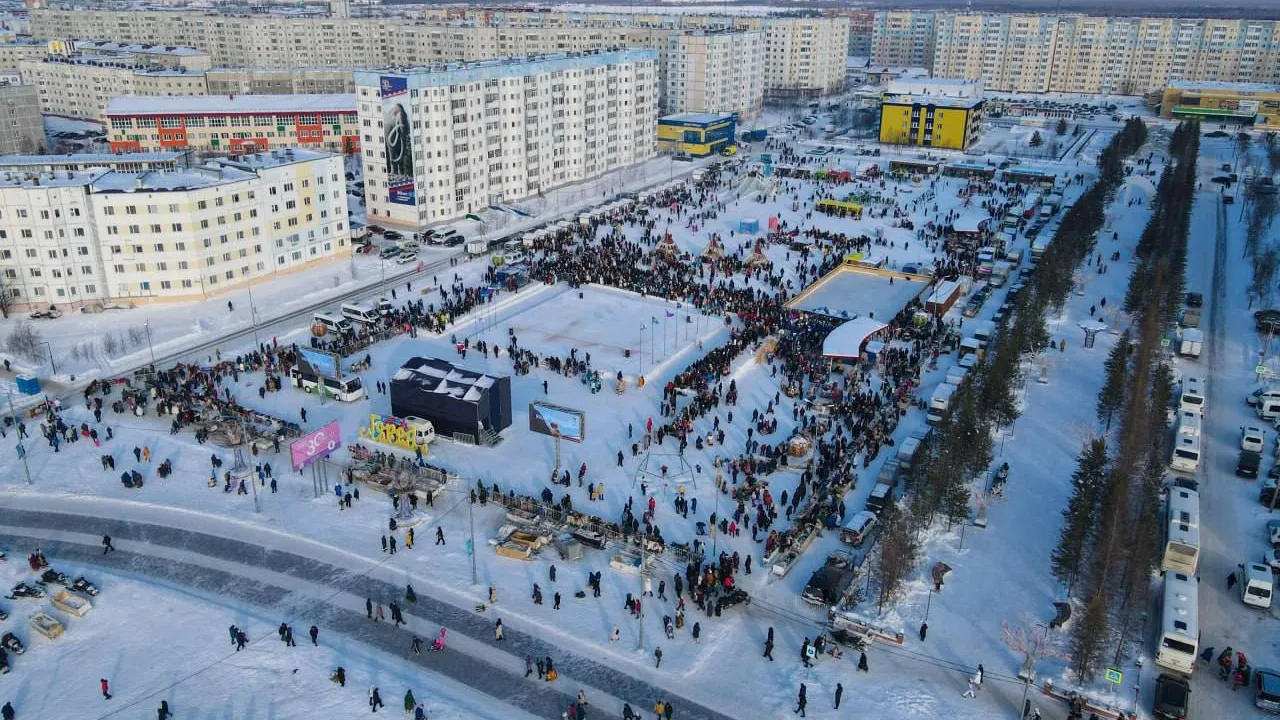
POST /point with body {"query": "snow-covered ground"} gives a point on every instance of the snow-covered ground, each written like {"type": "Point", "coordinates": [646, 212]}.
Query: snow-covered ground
{"type": "Point", "coordinates": [1000, 573]}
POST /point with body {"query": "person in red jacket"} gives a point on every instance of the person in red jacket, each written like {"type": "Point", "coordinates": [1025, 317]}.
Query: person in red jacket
{"type": "Point", "coordinates": [106, 687]}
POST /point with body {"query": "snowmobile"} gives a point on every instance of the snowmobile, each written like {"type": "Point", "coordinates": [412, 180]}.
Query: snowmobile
{"type": "Point", "coordinates": [4, 663]}
{"type": "Point", "coordinates": [84, 586]}
{"type": "Point", "coordinates": [736, 596]}
{"type": "Point", "coordinates": [10, 642]}
{"type": "Point", "coordinates": [53, 577]}
{"type": "Point", "coordinates": [851, 640]}
{"type": "Point", "coordinates": [23, 590]}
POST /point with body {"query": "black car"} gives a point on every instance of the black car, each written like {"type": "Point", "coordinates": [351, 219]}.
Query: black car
{"type": "Point", "coordinates": [392, 235]}
{"type": "Point", "coordinates": [454, 241]}
{"type": "Point", "coordinates": [1173, 695]}
{"type": "Point", "coordinates": [1195, 299]}
{"type": "Point", "coordinates": [1248, 464]}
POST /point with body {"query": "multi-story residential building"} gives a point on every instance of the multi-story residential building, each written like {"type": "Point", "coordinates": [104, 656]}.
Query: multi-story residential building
{"type": "Point", "coordinates": [954, 123]}
{"type": "Point", "coordinates": [233, 123]}
{"type": "Point", "coordinates": [77, 162]}
{"type": "Point", "coordinates": [805, 57]}
{"type": "Point", "coordinates": [292, 81]}
{"type": "Point", "coordinates": [81, 86]}
{"type": "Point", "coordinates": [903, 39]}
{"type": "Point", "coordinates": [11, 53]}
{"type": "Point", "coordinates": [164, 56]}
{"type": "Point", "coordinates": [78, 237]}
{"type": "Point", "coordinates": [862, 25]}
{"type": "Point", "coordinates": [714, 72]}
{"type": "Point", "coordinates": [445, 141]}
{"type": "Point", "coordinates": [21, 127]}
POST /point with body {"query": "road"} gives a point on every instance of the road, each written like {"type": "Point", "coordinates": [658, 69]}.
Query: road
{"type": "Point", "coordinates": [276, 580]}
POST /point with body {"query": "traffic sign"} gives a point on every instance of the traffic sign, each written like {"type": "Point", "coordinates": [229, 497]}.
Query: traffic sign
{"type": "Point", "coordinates": [1261, 370]}
{"type": "Point", "coordinates": [1165, 342]}
{"type": "Point", "coordinates": [1114, 676]}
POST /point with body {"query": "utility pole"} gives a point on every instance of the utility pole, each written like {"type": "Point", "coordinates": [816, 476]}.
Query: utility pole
{"type": "Point", "coordinates": [471, 545]}
{"type": "Point", "coordinates": [643, 557]}
{"type": "Point", "coordinates": [22, 451]}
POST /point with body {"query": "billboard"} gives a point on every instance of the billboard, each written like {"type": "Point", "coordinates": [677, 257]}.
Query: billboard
{"type": "Point", "coordinates": [320, 362]}
{"type": "Point", "coordinates": [556, 421]}
{"type": "Point", "coordinates": [397, 139]}
{"type": "Point", "coordinates": [315, 446]}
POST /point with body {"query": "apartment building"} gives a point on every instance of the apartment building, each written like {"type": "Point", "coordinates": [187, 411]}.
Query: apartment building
{"type": "Point", "coordinates": [934, 121]}
{"type": "Point", "coordinates": [441, 142]}
{"type": "Point", "coordinates": [233, 124]}
{"type": "Point", "coordinates": [292, 81]}
{"type": "Point", "coordinates": [903, 39]}
{"type": "Point", "coordinates": [715, 72]}
{"type": "Point", "coordinates": [862, 25]}
{"type": "Point", "coordinates": [803, 55]}
{"type": "Point", "coordinates": [77, 162]}
{"type": "Point", "coordinates": [81, 86]}
{"type": "Point", "coordinates": [21, 127]}
{"type": "Point", "coordinates": [96, 235]}
{"type": "Point", "coordinates": [11, 53]}
{"type": "Point", "coordinates": [165, 56]}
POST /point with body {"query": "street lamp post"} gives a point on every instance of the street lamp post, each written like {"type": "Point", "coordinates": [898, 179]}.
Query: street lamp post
{"type": "Point", "coordinates": [253, 315]}
{"type": "Point", "coordinates": [22, 451]}
{"type": "Point", "coordinates": [147, 326]}
{"type": "Point", "coordinates": [52, 364]}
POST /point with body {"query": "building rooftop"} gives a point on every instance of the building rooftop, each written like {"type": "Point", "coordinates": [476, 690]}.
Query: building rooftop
{"type": "Point", "coordinates": [114, 61]}
{"type": "Point", "coordinates": [934, 100]}
{"type": "Point", "coordinates": [88, 158]}
{"type": "Point", "coordinates": [208, 175]}
{"type": "Point", "coordinates": [230, 104]}
{"type": "Point", "coordinates": [1228, 86]}
{"type": "Point", "coordinates": [696, 117]}
{"type": "Point", "coordinates": [454, 73]}
{"type": "Point", "coordinates": [115, 47]}
{"type": "Point", "coordinates": [44, 179]}
{"type": "Point", "coordinates": [274, 158]}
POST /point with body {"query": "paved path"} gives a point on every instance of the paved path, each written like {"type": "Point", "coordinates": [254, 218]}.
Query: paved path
{"type": "Point", "coordinates": [210, 567]}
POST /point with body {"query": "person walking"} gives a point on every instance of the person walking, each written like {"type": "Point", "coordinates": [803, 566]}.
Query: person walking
{"type": "Point", "coordinates": [924, 630]}
{"type": "Point", "coordinates": [439, 535]}
{"type": "Point", "coordinates": [163, 712]}
{"type": "Point", "coordinates": [315, 633]}
{"type": "Point", "coordinates": [375, 699]}
{"type": "Point", "coordinates": [7, 711]}
{"type": "Point", "coordinates": [839, 694]}
{"type": "Point", "coordinates": [368, 608]}
{"type": "Point", "coordinates": [232, 631]}
{"type": "Point", "coordinates": [106, 545]}
{"type": "Point", "coordinates": [409, 702]}
{"type": "Point", "coordinates": [106, 688]}
{"type": "Point", "coordinates": [657, 657]}
{"type": "Point", "coordinates": [969, 693]}
{"type": "Point", "coordinates": [862, 663]}
{"type": "Point", "coordinates": [497, 630]}
{"type": "Point", "coordinates": [802, 700]}
{"type": "Point", "coordinates": [528, 664]}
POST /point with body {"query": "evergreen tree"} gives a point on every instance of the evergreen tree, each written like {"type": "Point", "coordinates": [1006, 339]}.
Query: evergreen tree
{"type": "Point", "coordinates": [1087, 636]}
{"type": "Point", "coordinates": [1062, 127]}
{"type": "Point", "coordinates": [1111, 398]}
{"type": "Point", "coordinates": [1036, 140]}
{"type": "Point", "coordinates": [1081, 514]}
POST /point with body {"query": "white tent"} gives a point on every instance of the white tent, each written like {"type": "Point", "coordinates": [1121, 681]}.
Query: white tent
{"type": "Point", "coordinates": [846, 340]}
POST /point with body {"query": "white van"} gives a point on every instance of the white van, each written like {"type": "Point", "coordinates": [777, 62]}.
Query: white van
{"type": "Point", "coordinates": [332, 323]}
{"type": "Point", "coordinates": [1256, 585]}
{"type": "Point", "coordinates": [361, 313]}
{"type": "Point", "coordinates": [1186, 454]}
{"type": "Point", "coordinates": [1193, 394]}
{"type": "Point", "coordinates": [423, 431]}
{"type": "Point", "coordinates": [855, 531]}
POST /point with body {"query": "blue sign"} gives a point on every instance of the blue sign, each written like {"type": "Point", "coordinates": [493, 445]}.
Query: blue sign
{"type": "Point", "coordinates": [391, 86]}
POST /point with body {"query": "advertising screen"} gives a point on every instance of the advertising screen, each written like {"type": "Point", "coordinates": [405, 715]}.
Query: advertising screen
{"type": "Point", "coordinates": [320, 362]}
{"type": "Point", "coordinates": [398, 140]}
{"type": "Point", "coordinates": [315, 446]}
{"type": "Point", "coordinates": [556, 421]}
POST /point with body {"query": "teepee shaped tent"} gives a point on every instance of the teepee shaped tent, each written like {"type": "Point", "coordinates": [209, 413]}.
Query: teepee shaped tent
{"type": "Point", "coordinates": [714, 249]}
{"type": "Point", "coordinates": [667, 246]}
{"type": "Point", "coordinates": [757, 258]}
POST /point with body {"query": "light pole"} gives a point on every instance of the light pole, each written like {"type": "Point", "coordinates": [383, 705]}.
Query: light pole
{"type": "Point", "coordinates": [52, 364]}
{"type": "Point", "coordinates": [147, 326]}
{"type": "Point", "coordinates": [253, 315]}
{"type": "Point", "coordinates": [22, 451]}
{"type": "Point", "coordinates": [1029, 668]}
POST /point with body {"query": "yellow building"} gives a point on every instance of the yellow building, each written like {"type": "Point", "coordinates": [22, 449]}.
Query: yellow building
{"type": "Point", "coordinates": [931, 121]}
{"type": "Point", "coordinates": [1256, 104]}
{"type": "Point", "coordinates": [696, 134]}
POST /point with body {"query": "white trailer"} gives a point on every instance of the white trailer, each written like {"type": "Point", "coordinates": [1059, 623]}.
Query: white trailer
{"type": "Point", "coordinates": [1191, 343]}
{"type": "Point", "coordinates": [940, 403]}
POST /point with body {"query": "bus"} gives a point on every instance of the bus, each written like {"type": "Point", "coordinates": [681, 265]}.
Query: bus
{"type": "Point", "coordinates": [1180, 624]}
{"type": "Point", "coordinates": [1182, 537]}
{"type": "Point", "coordinates": [344, 390]}
{"type": "Point", "coordinates": [1186, 454]}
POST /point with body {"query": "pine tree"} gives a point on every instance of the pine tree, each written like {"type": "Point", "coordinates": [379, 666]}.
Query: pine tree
{"type": "Point", "coordinates": [1081, 514]}
{"type": "Point", "coordinates": [1036, 140]}
{"type": "Point", "coordinates": [1111, 398]}
{"type": "Point", "coordinates": [1087, 637]}
{"type": "Point", "coordinates": [899, 552]}
{"type": "Point", "coordinates": [1061, 129]}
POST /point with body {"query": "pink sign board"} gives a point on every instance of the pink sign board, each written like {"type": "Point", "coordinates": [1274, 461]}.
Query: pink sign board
{"type": "Point", "coordinates": [315, 445]}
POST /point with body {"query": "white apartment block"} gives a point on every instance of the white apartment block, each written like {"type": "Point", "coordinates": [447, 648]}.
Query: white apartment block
{"type": "Point", "coordinates": [268, 81]}
{"type": "Point", "coordinates": [98, 235]}
{"type": "Point", "coordinates": [714, 72]}
{"type": "Point", "coordinates": [83, 86]}
{"type": "Point", "coordinates": [445, 141]}
{"type": "Point", "coordinates": [166, 56]}
{"type": "Point", "coordinates": [11, 53]}
{"type": "Point", "coordinates": [21, 127]}
{"type": "Point", "coordinates": [803, 55]}
{"type": "Point", "coordinates": [902, 39]}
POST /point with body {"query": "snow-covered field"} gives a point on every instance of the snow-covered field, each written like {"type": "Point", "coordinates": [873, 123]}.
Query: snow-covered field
{"type": "Point", "coordinates": [1000, 573]}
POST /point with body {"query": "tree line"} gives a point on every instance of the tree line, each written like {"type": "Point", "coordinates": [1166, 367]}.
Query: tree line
{"type": "Point", "coordinates": [1110, 539]}
{"type": "Point", "coordinates": [962, 447]}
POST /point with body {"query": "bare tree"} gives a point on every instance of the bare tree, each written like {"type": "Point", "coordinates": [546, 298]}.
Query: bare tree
{"type": "Point", "coordinates": [6, 299]}
{"type": "Point", "coordinates": [24, 341]}
{"type": "Point", "coordinates": [1034, 641]}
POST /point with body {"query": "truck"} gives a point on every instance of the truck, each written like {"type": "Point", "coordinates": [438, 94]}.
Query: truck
{"type": "Point", "coordinates": [984, 331]}
{"type": "Point", "coordinates": [1000, 272]}
{"type": "Point", "coordinates": [829, 583]}
{"type": "Point", "coordinates": [909, 447]}
{"type": "Point", "coordinates": [940, 403]}
{"type": "Point", "coordinates": [755, 135]}
{"type": "Point", "coordinates": [1037, 250]}
{"type": "Point", "coordinates": [1190, 318]}
{"type": "Point", "coordinates": [1190, 343]}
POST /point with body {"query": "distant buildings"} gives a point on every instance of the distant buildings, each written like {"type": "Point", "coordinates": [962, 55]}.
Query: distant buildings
{"type": "Point", "coordinates": [1243, 103]}
{"type": "Point", "coordinates": [233, 124]}
{"type": "Point", "coordinates": [21, 127]}
{"type": "Point", "coordinates": [78, 237]}
{"type": "Point", "coordinates": [709, 71]}
{"type": "Point", "coordinates": [443, 142]}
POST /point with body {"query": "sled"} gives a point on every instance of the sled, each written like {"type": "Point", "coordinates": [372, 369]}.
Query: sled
{"type": "Point", "coordinates": [552, 675]}
{"type": "Point", "coordinates": [514, 550]}
{"type": "Point", "coordinates": [71, 604]}
{"type": "Point", "coordinates": [46, 625]}
{"type": "Point", "coordinates": [11, 643]}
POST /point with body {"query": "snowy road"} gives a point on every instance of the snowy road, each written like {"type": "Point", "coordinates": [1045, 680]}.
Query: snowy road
{"type": "Point", "coordinates": [220, 564]}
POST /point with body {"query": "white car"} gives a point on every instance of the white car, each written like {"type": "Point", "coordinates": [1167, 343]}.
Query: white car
{"type": "Point", "coordinates": [406, 259]}
{"type": "Point", "coordinates": [1253, 439]}
{"type": "Point", "coordinates": [1272, 558]}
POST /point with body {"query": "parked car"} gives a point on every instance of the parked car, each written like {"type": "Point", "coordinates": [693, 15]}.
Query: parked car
{"type": "Point", "coordinates": [1253, 439]}
{"type": "Point", "coordinates": [1195, 299]}
{"type": "Point", "coordinates": [392, 235]}
{"type": "Point", "coordinates": [1173, 695]}
{"type": "Point", "coordinates": [1248, 463]}
{"type": "Point", "coordinates": [406, 258]}
{"type": "Point", "coordinates": [1267, 494]}
{"type": "Point", "coordinates": [1273, 533]}
{"type": "Point", "coordinates": [1266, 690]}
{"type": "Point", "coordinates": [388, 253]}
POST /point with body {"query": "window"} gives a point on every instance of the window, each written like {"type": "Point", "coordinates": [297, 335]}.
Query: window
{"type": "Point", "coordinates": [170, 122]}
{"type": "Point", "coordinates": [306, 119]}
{"type": "Point", "coordinates": [109, 210]}
{"type": "Point", "coordinates": [164, 285]}
{"type": "Point", "coordinates": [82, 250]}
{"type": "Point", "coordinates": [122, 123]}
{"type": "Point", "coordinates": [130, 209]}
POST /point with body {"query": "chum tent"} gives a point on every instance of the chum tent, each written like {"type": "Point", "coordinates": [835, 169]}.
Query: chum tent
{"type": "Point", "coordinates": [454, 399]}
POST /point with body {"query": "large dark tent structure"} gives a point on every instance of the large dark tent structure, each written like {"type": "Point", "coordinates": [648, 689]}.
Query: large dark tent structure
{"type": "Point", "coordinates": [454, 399]}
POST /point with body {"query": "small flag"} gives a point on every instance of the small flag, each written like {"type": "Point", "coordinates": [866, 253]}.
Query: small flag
{"type": "Point", "coordinates": [670, 314]}
{"type": "Point", "coordinates": [654, 319]}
